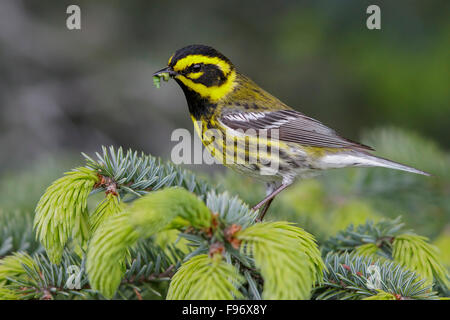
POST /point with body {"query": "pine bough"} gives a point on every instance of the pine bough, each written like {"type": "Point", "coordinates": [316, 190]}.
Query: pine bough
{"type": "Point", "coordinates": [161, 233]}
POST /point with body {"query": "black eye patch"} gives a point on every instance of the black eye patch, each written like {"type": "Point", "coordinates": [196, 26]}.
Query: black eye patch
{"type": "Point", "coordinates": [207, 74]}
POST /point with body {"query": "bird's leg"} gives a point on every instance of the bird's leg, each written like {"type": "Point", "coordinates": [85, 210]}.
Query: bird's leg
{"type": "Point", "coordinates": [269, 198]}
{"type": "Point", "coordinates": [264, 210]}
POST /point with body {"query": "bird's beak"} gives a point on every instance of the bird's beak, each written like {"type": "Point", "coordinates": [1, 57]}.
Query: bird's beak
{"type": "Point", "coordinates": [168, 70]}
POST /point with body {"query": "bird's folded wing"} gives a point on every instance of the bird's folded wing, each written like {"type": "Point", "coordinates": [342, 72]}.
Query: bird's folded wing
{"type": "Point", "coordinates": [292, 126]}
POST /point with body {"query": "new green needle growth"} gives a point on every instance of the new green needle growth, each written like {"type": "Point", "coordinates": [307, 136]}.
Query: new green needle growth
{"type": "Point", "coordinates": [157, 79]}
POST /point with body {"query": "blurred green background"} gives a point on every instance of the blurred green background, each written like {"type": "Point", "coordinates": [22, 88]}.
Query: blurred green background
{"type": "Point", "coordinates": [63, 92]}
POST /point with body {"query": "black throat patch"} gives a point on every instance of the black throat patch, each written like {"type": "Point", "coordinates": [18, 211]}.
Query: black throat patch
{"type": "Point", "coordinates": [199, 107]}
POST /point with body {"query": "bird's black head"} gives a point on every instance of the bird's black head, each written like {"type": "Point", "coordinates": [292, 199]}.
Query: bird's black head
{"type": "Point", "coordinates": [196, 50]}
{"type": "Point", "coordinates": [203, 71]}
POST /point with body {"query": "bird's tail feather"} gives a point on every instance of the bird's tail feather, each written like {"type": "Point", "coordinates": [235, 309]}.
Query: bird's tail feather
{"type": "Point", "coordinates": [363, 159]}
{"type": "Point", "coordinates": [385, 163]}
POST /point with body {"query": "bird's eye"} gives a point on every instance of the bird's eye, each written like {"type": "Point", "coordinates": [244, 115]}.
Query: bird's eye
{"type": "Point", "coordinates": [196, 68]}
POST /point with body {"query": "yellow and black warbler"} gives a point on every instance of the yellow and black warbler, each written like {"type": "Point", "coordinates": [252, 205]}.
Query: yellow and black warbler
{"type": "Point", "coordinates": [222, 99]}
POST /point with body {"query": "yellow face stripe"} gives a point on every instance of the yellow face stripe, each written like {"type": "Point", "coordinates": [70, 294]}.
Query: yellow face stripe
{"type": "Point", "coordinates": [194, 75]}
{"type": "Point", "coordinates": [197, 58]}
{"type": "Point", "coordinates": [170, 60]}
{"type": "Point", "coordinates": [214, 93]}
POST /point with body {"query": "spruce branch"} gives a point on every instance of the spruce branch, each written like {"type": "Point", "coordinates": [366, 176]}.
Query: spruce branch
{"type": "Point", "coordinates": [132, 175]}
{"type": "Point", "coordinates": [204, 277]}
{"type": "Point", "coordinates": [213, 228]}
{"type": "Point", "coordinates": [16, 233]}
{"type": "Point", "coordinates": [150, 267]}
{"type": "Point", "coordinates": [383, 295]}
{"type": "Point", "coordinates": [108, 207]}
{"type": "Point", "coordinates": [25, 277]}
{"type": "Point", "coordinates": [107, 253]}
{"type": "Point", "coordinates": [417, 254]}
{"type": "Point", "coordinates": [379, 234]}
{"type": "Point", "coordinates": [7, 294]}
{"type": "Point", "coordinates": [12, 268]}
{"type": "Point", "coordinates": [389, 240]}
{"type": "Point", "coordinates": [168, 208]}
{"type": "Point", "coordinates": [350, 276]}
{"type": "Point", "coordinates": [132, 251]}
{"type": "Point", "coordinates": [62, 211]}
{"type": "Point", "coordinates": [287, 257]}
{"type": "Point", "coordinates": [37, 277]}
{"type": "Point", "coordinates": [231, 209]}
